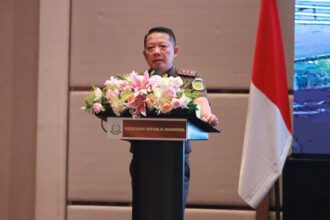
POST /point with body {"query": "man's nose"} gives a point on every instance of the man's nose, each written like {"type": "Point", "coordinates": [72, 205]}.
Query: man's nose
{"type": "Point", "coordinates": [157, 50]}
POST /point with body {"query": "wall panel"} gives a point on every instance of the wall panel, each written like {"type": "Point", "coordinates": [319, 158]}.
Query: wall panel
{"type": "Point", "coordinates": [216, 162]}
{"type": "Point", "coordinates": [216, 37]}
{"type": "Point", "coordinates": [53, 92]}
{"type": "Point", "coordinates": [124, 213]}
{"type": "Point", "coordinates": [98, 167]}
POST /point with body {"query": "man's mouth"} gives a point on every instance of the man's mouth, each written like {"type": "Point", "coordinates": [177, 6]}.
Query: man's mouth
{"type": "Point", "coordinates": [158, 61]}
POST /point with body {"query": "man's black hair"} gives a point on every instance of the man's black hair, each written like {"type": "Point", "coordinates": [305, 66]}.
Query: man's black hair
{"type": "Point", "coordinates": [161, 30]}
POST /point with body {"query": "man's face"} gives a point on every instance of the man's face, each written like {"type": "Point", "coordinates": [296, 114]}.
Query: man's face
{"type": "Point", "coordinates": [159, 51]}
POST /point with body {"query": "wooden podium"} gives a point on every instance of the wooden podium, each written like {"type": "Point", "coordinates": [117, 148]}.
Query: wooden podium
{"type": "Point", "coordinates": [158, 162]}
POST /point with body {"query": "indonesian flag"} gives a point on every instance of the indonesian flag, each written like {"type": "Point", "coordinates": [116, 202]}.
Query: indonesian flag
{"type": "Point", "coordinates": [268, 132]}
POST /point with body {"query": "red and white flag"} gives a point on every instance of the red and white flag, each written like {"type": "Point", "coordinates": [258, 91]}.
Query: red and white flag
{"type": "Point", "coordinates": [268, 132]}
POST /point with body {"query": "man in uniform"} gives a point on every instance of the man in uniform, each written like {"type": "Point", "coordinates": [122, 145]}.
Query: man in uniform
{"type": "Point", "coordinates": [160, 50]}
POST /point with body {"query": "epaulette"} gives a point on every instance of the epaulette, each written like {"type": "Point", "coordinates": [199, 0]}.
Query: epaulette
{"type": "Point", "coordinates": [191, 73]}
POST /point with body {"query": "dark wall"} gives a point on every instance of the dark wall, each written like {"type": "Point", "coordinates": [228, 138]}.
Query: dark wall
{"type": "Point", "coordinates": [18, 118]}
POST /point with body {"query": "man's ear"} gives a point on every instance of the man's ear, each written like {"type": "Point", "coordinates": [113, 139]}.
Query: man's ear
{"type": "Point", "coordinates": [176, 50]}
{"type": "Point", "coordinates": [144, 54]}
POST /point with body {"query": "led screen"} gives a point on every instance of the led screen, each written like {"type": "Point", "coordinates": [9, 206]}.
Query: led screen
{"type": "Point", "coordinates": [311, 110]}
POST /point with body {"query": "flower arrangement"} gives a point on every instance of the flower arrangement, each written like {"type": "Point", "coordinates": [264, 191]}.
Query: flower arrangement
{"type": "Point", "coordinates": [140, 95]}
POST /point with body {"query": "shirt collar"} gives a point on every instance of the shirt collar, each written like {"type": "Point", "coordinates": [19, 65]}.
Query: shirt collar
{"type": "Point", "coordinates": [171, 72]}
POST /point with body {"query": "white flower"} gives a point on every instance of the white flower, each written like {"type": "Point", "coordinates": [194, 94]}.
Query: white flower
{"type": "Point", "coordinates": [97, 94]}
{"type": "Point", "coordinates": [111, 82]}
{"type": "Point", "coordinates": [185, 101]}
{"type": "Point", "coordinates": [175, 81]}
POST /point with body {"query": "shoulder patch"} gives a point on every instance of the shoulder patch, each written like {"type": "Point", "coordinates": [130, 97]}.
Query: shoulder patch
{"type": "Point", "coordinates": [198, 84]}
{"type": "Point", "coordinates": [191, 73]}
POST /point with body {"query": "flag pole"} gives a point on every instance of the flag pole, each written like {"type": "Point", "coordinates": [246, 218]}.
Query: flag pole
{"type": "Point", "coordinates": [262, 211]}
{"type": "Point", "coordinates": [277, 200]}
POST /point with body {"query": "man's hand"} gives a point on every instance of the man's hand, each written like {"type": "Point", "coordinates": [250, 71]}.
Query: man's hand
{"type": "Point", "coordinates": [205, 111]}
{"type": "Point", "coordinates": [210, 118]}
